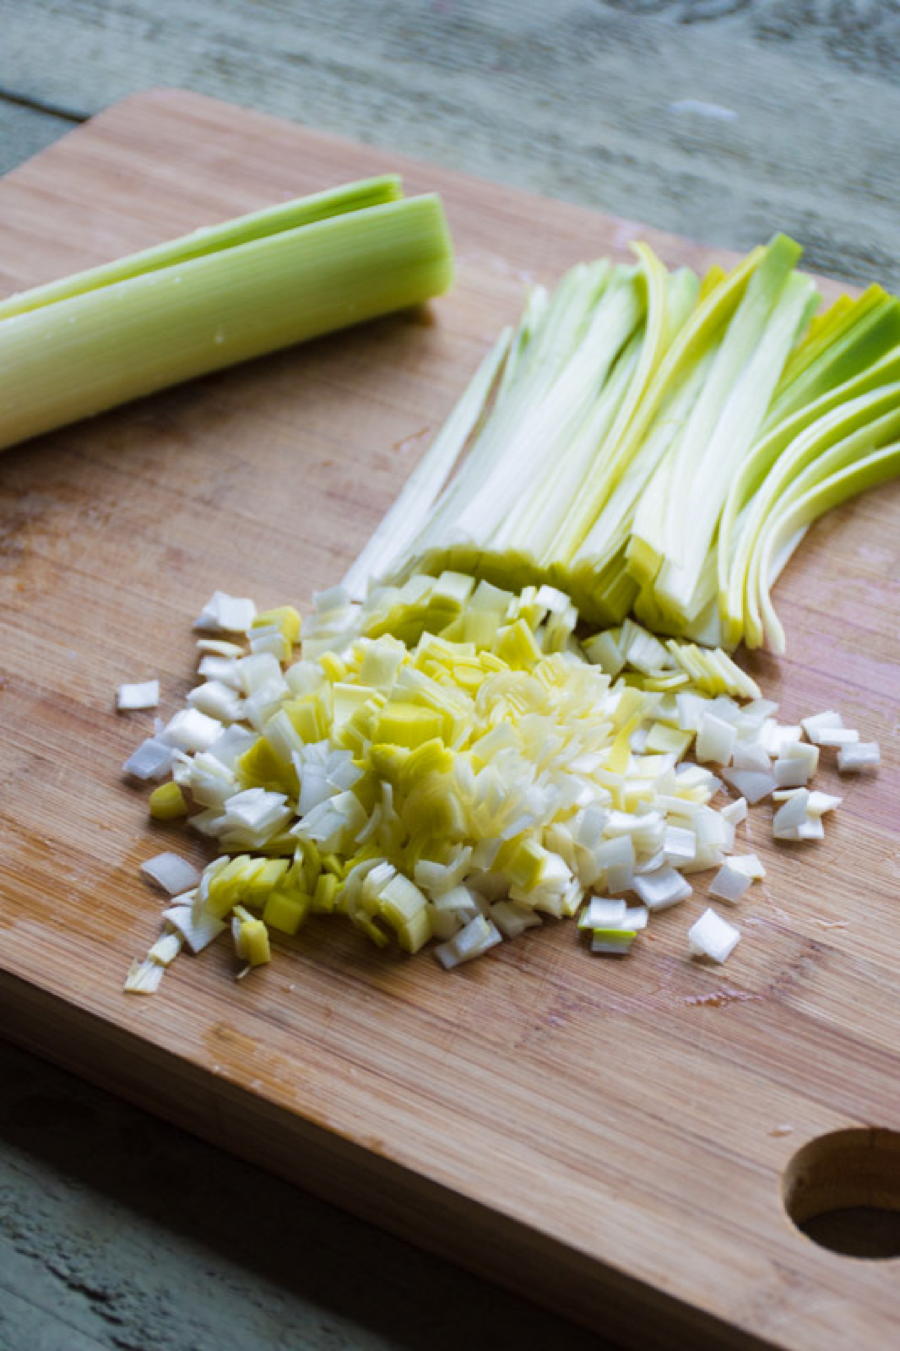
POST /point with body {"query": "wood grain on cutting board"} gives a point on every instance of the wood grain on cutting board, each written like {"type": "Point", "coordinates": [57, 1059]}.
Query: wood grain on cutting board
{"type": "Point", "coordinates": [606, 1136]}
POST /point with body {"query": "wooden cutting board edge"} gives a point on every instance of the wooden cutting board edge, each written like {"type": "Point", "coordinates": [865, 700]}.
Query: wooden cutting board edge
{"type": "Point", "coordinates": [441, 1220]}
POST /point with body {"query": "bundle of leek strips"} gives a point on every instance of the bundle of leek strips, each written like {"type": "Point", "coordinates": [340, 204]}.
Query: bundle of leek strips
{"type": "Point", "coordinates": [219, 296]}
{"type": "Point", "coordinates": [656, 443]}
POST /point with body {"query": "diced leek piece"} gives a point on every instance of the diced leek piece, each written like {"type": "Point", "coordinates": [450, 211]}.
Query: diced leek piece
{"type": "Point", "coordinates": [152, 759]}
{"type": "Point", "coordinates": [231, 744]}
{"type": "Point", "coordinates": [325, 894]}
{"type": "Point", "coordinates": [820, 722]}
{"type": "Point", "coordinates": [167, 802]}
{"type": "Point", "coordinates": [256, 809]}
{"type": "Point", "coordinates": [285, 618]}
{"type": "Point", "coordinates": [332, 666]}
{"type": "Point", "coordinates": [285, 911]}
{"type": "Point", "coordinates": [256, 942]}
{"type": "Point", "coordinates": [464, 902]}
{"type": "Point", "coordinates": [729, 883]}
{"type": "Point", "coordinates": [405, 909]}
{"type": "Point", "coordinates": [603, 648]}
{"type": "Point", "coordinates": [779, 737]}
{"type": "Point", "coordinates": [750, 783]}
{"type": "Point", "coordinates": [715, 740]}
{"type": "Point", "coordinates": [251, 938]}
{"type": "Point", "coordinates": [837, 736]}
{"type": "Point", "coordinates": [191, 730]}
{"type": "Point", "coordinates": [661, 888]}
{"type": "Point", "coordinates": [216, 699]}
{"type": "Point", "coordinates": [602, 914]}
{"type": "Point", "coordinates": [165, 949]}
{"type": "Point", "coordinates": [616, 941]}
{"type": "Point", "coordinates": [228, 885]}
{"type": "Point", "coordinates": [516, 645]}
{"type": "Point", "coordinates": [197, 929]}
{"type": "Point", "coordinates": [512, 918]}
{"type": "Point", "coordinates": [713, 937]}
{"type": "Point", "coordinates": [218, 647]}
{"type": "Point", "coordinates": [735, 812]}
{"type": "Point", "coordinates": [679, 845]}
{"type": "Point", "coordinates": [223, 669]}
{"type": "Point", "coordinates": [792, 812]}
{"type": "Point", "coordinates": [797, 767]}
{"type": "Point", "coordinates": [663, 738]}
{"type": "Point", "coordinates": [226, 614]}
{"type": "Point", "coordinates": [478, 936]}
{"type": "Point", "coordinates": [144, 977]}
{"type": "Point", "coordinates": [143, 694]}
{"type": "Point", "coordinates": [751, 755]}
{"type": "Point", "coordinates": [172, 873]}
{"type": "Point", "coordinates": [749, 864]}
{"type": "Point", "coordinates": [408, 725]}
{"type": "Point", "coordinates": [820, 803]}
{"type": "Point", "coordinates": [260, 883]}
{"type": "Point", "coordinates": [863, 755]}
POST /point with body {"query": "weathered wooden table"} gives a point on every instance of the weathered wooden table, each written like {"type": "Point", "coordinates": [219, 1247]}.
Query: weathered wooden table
{"type": "Point", "coordinates": [722, 119]}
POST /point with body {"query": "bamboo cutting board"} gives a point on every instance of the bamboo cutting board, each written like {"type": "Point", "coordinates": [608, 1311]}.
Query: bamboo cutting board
{"type": "Point", "coordinates": [607, 1136]}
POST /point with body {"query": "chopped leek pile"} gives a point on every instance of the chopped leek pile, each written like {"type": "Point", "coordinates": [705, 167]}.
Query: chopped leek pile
{"type": "Point", "coordinates": [79, 346]}
{"type": "Point", "coordinates": [452, 761]}
{"type": "Point", "coordinates": [657, 444]}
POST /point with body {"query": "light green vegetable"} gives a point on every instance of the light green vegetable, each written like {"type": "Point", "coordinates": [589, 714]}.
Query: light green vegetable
{"type": "Point", "coordinates": [216, 297]}
{"type": "Point", "coordinates": [643, 440]}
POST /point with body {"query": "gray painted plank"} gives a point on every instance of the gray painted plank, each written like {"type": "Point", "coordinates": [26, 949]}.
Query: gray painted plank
{"type": "Point", "coordinates": [118, 1231]}
{"type": "Point", "coordinates": [721, 119]}
{"type": "Point", "coordinates": [25, 130]}
{"type": "Point", "coordinates": [27, 1323]}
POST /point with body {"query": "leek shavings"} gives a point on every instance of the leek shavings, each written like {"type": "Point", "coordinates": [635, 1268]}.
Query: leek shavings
{"type": "Point", "coordinates": [457, 764]}
{"type": "Point", "coordinates": [655, 444]}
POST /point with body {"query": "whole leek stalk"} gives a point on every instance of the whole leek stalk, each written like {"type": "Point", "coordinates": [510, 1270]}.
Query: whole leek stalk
{"type": "Point", "coordinates": [84, 344]}
{"type": "Point", "coordinates": [657, 443]}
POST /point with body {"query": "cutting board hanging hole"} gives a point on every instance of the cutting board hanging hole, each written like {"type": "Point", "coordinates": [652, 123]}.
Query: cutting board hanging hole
{"type": "Point", "coordinates": [842, 1190]}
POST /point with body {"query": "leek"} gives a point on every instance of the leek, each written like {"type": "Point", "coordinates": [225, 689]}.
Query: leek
{"type": "Point", "coordinates": [82, 345]}
{"type": "Point", "coordinates": [166, 803]}
{"type": "Point", "coordinates": [460, 784]}
{"type": "Point", "coordinates": [807, 504]}
{"type": "Point", "coordinates": [141, 694]}
{"type": "Point", "coordinates": [637, 439]}
{"type": "Point", "coordinates": [713, 937]}
{"type": "Point", "coordinates": [443, 753]}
